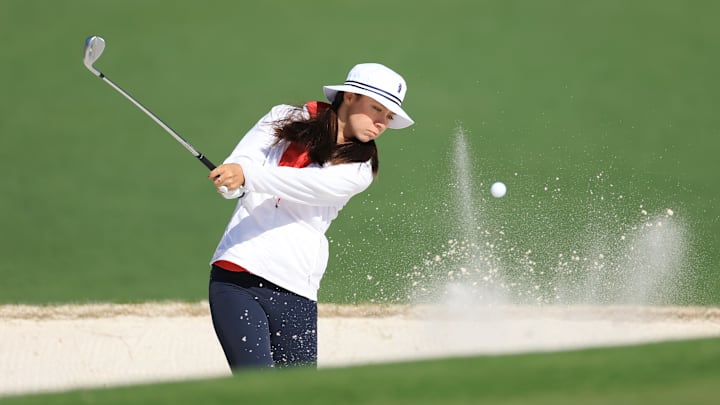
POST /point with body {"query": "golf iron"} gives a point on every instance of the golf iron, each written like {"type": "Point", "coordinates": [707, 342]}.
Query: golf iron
{"type": "Point", "coordinates": [94, 47]}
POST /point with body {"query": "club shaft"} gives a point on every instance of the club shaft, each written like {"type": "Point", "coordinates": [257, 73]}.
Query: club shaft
{"type": "Point", "coordinates": [157, 120]}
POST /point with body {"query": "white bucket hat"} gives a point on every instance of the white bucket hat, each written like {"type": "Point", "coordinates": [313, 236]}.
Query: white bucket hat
{"type": "Point", "coordinates": [380, 83]}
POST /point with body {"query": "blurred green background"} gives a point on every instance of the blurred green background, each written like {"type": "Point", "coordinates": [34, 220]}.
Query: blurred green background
{"type": "Point", "coordinates": [599, 116]}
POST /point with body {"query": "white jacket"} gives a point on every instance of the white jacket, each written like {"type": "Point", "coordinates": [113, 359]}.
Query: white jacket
{"type": "Point", "coordinates": [277, 230]}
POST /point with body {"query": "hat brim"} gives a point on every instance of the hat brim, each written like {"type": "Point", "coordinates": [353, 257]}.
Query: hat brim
{"type": "Point", "coordinates": [399, 121]}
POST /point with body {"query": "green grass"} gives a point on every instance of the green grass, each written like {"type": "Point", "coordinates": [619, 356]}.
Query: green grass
{"type": "Point", "coordinates": [668, 373]}
{"type": "Point", "coordinates": [99, 204]}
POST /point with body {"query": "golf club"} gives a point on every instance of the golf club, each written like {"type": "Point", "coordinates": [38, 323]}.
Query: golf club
{"type": "Point", "coordinates": [94, 47]}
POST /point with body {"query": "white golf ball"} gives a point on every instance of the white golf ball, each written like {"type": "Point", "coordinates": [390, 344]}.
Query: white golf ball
{"type": "Point", "coordinates": [498, 189]}
{"type": "Point", "coordinates": [223, 189]}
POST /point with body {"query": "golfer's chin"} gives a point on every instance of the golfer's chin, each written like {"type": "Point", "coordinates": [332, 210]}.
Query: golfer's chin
{"type": "Point", "coordinates": [367, 137]}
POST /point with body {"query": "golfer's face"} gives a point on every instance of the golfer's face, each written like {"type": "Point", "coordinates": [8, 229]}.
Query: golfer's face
{"type": "Point", "coordinates": [367, 119]}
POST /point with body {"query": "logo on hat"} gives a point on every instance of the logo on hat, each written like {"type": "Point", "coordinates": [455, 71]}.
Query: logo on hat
{"type": "Point", "coordinates": [399, 87]}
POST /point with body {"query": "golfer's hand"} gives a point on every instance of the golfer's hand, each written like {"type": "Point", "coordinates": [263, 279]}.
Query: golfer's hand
{"type": "Point", "coordinates": [229, 175]}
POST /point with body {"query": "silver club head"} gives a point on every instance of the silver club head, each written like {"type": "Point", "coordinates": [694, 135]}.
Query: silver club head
{"type": "Point", "coordinates": [94, 47]}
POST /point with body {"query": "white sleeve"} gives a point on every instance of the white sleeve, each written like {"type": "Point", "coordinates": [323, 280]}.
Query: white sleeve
{"type": "Point", "coordinates": [313, 185]}
{"type": "Point", "coordinates": [328, 185]}
{"type": "Point", "coordinates": [256, 144]}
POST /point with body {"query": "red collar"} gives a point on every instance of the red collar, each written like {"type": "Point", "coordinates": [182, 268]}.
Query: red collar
{"type": "Point", "coordinates": [295, 155]}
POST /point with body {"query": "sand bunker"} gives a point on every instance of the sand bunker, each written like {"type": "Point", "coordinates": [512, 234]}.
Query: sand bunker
{"type": "Point", "coordinates": [64, 347]}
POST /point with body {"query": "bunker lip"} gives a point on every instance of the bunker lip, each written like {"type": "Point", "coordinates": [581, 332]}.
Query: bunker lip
{"type": "Point", "coordinates": [329, 310]}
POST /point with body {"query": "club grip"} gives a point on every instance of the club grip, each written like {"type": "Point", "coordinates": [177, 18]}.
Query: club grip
{"type": "Point", "coordinates": [206, 162]}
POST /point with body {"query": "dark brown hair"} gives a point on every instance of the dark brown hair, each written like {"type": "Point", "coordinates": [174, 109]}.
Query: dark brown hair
{"type": "Point", "coordinates": [319, 136]}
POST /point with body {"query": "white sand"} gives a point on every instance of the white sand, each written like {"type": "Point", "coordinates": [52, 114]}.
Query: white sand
{"type": "Point", "coordinates": [66, 347]}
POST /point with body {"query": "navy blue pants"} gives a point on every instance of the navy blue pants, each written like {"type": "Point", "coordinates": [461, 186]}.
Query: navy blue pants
{"type": "Point", "coordinates": [260, 324]}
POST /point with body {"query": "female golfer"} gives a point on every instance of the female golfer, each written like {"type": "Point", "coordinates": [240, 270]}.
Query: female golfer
{"type": "Point", "coordinates": [293, 171]}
